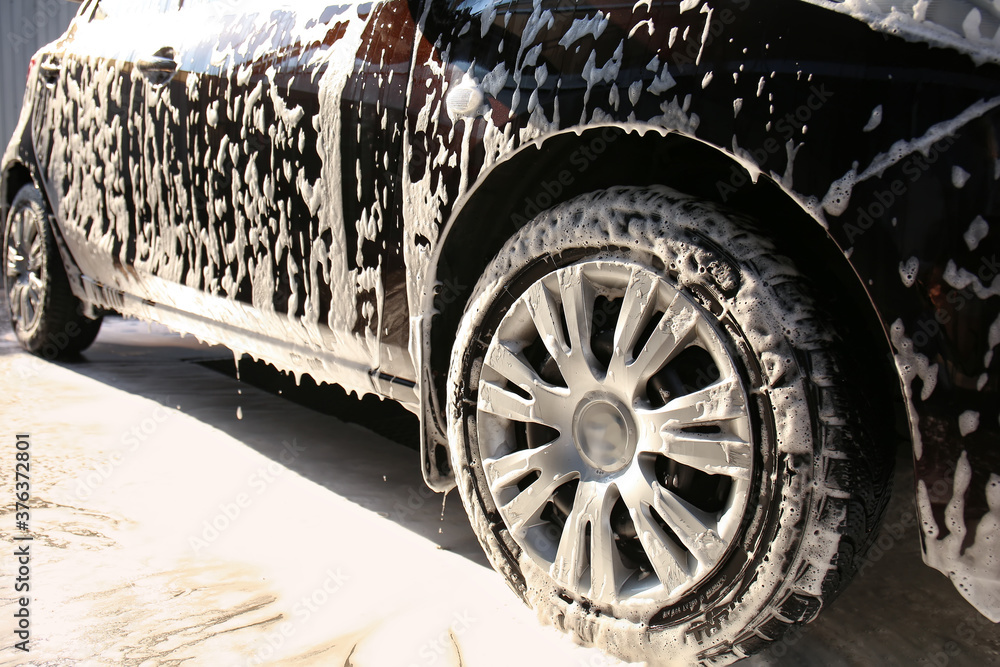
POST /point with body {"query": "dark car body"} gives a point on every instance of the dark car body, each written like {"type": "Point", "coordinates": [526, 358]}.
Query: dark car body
{"type": "Point", "coordinates": [320, 184]}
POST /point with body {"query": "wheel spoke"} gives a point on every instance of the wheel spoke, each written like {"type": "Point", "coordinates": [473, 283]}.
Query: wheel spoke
{"type": "Point", "coordinates": [672, 334]}
{"type": "Point", "coordinates": [35, 295]}
{"type": "Point", "coordinates": [498, 401]}
{"type": "Point", "coordinates": [512, 366]}
{"type": "Point", "coordinates": [15, 300]}
{"type": "Point", "coordinates": [572, 354]}
{"type": "Point", "coordinates": [719, 402]}
{"type": "Point", "coordinates": [545, 400]}
{"type": "Point", "coordinates": [544, 314]}
{"type": "Point", "coordinates": [578, 307]}
{"type": "Point", "coordinates": [691, 525]}
{"type": "Point", "coordinates": [27, 307]}
{"type": "Point", "coordinates": [712, 454]}
{"type": "Point", "coordinates": [591, 508]}
{"type": "Point", "coordinates": [35, 250]}
{"type": "Point", "coordinates": [637, 309]}
{"type": "Point", "coordinates": [723, 452]}
{"type": "Point", "coordinates": [669, 559]}
{"type": "Point", "coordinates": [695, 529]}
{"type": "Point", "coordinates": [18, 229]}
{"type": "Point", "coordinates": [551, 462]}
{"type": "Point", "coordinates": [14, 261]}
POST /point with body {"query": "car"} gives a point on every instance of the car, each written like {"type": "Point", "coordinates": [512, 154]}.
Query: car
{"type": "Point", "coordinates": [667, 283]}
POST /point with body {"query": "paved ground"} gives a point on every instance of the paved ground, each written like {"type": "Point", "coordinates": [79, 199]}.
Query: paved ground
{"type": "Point", "coordinates": [181, 516]}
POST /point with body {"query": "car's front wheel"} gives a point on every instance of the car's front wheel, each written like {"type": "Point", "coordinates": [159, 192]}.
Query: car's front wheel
{"type": "Point", "coordinates": [47, 318]}
{"type": "Point", "coordinates": [654, 430]}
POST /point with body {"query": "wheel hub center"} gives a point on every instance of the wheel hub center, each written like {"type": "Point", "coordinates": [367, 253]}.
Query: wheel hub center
{"type": "Point", "coordinates": [605, 434]}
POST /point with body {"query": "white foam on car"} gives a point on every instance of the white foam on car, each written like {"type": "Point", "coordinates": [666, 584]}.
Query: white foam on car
{"type": "Point", "coordinates": [974, 569]}
{"type": "Point", "coordinates": [962, 25]}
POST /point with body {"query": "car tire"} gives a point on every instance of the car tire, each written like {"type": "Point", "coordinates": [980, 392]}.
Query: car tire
{"type": "Point", "coordinates": [635, 497]}
{"type": "Point", "coordinates": [46, 316]}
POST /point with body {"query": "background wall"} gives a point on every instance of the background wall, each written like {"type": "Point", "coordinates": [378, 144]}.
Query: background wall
{"type": "Point", "coordinates": [25, 26]}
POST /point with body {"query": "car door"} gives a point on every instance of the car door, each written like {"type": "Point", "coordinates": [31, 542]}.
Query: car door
{"type": "Point", "coordinates": [159, 163]}
{"type": "Point", "coordinates": [248, 145]}
{"type": "Point", "coordinates": [282, 197]}
{"type": "Point", "coordinates": [85, 137]}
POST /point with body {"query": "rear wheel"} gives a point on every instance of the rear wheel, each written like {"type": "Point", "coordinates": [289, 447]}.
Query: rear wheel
{"type": "Point", "coordinates": [654, 431]}
{"type": "Point", "coordinates": [47, 318]}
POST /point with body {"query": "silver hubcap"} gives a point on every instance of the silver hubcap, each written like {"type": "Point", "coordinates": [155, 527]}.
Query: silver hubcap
{"type": "Point", "coordinates": [25, 262]}
{"type": "Point", "coordinates": [605, 434]}
{"type": "Point", "coordinates": [614, 435]}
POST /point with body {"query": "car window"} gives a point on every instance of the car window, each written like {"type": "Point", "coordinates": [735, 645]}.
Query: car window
{"type": "Point", "coordinates": [123, 8]}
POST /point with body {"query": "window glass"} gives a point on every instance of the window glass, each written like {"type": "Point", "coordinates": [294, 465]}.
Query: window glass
{"type": "Point", "coordinates": [124, 8]}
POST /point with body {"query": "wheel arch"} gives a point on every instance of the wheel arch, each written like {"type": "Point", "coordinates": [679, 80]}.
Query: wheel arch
{"type": "Point", "coordinates": [15, 176]}
{"type": "Point", "coordinates": [545, 173]}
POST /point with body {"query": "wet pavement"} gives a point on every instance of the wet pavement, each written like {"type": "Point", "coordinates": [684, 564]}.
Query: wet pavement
{"type": "Point", "coordinates": [179, 516]}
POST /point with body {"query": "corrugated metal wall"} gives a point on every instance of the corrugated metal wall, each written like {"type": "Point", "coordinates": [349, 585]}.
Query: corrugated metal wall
{"type": "Point", "coordinates": [25, 26]}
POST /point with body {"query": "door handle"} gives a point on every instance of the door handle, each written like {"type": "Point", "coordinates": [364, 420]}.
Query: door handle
{"type": "Point", "coordinates": [158, 68]}
{"type": "Point", "coordinates": [49, 70]}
